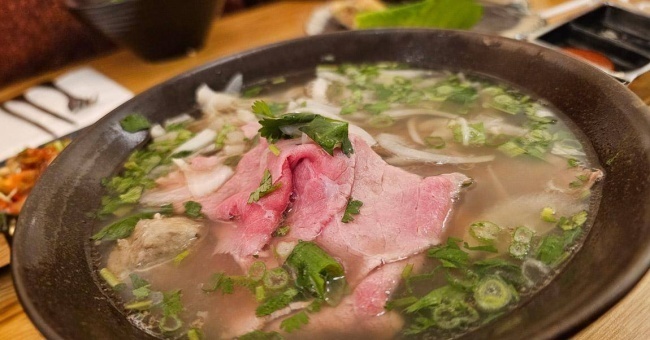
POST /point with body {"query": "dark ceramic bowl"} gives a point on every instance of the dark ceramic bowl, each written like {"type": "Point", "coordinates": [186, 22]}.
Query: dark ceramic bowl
{"type": "Point", "coordinates": [153, 29]}
{"type": "Point", "coordinates": [51, 255]}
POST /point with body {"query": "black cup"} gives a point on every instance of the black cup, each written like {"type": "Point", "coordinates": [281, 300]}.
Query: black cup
{"type": "Point", "coordinates": [153, 29]}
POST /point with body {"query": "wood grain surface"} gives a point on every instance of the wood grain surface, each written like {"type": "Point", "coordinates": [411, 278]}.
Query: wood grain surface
{"type": "Point", "coordinates": [629, 319]}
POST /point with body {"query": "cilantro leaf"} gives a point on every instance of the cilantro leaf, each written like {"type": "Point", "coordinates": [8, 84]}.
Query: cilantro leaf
{"type": "Point", "coordinates": [294, 322]}
{"type": "Point", "coordinates": [462, 14]}
{"type": "Point", "coordinates": [328, 133]}
{"type": "Point", "coordinates": [171, 304]}
{"type": "Point", "coordinates": [261, 108]}
{"type": "Point", "coordinates": [271, 127]}
{"type": "Point", "coordinates": [266, 187]}
{"type": "Point", "coordinates": [134, 123]}
{"type": "Point", "coordinates": [122, 228]}
{"type": "Point", "coordinates": [276, 302]}
{"type": "Point", "coordinates": [261, 335]}
{"type": "Point", "coordinates": [193, 209]}
{"type": "Point", "coordinates": [450, 254]}
{"type": "Point", "coordinates": [351, 209]}
{"type": "Point", "coordinates": [220, 281]}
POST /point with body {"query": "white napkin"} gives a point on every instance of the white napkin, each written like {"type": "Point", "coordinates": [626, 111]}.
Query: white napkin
{"type": "Point", "coordinates": [17, 134]}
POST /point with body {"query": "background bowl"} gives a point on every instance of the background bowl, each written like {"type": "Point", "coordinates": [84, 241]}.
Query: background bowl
{"type": "Point", "coordinates": [60, 290]}
{"type": "Point", "coordinates": [153, 29]}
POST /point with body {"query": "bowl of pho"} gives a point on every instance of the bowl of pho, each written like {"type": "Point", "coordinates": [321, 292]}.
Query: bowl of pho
{"type": "Point", "coordinates": [373, 184]}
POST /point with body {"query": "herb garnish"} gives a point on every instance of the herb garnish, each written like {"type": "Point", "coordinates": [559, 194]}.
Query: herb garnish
{"type": "Point", "coordinates": [326, 132]}
{"type": "Point", "coordinates": [193, 209]}
{"type": "Point", "coordinates": [266, 187]}
{"type": "Point", "coordinates": [353, 208]}
{"type": "Point", "coordinates": [294, 322]}
{"type": "Point", "coordinates": [134, 123]}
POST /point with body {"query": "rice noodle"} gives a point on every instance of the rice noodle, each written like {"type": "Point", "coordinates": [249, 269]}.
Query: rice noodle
{"type": "Point", "coordinates": [464, 130]}
{"type": "Point", "coordinates": [500, 189]}
{"type": "Point", "coordinates": [401, 113]}
{"type": "Point", "coordinates": [413, 131]}
{"type": "Point", "coordinates": [395, 145]}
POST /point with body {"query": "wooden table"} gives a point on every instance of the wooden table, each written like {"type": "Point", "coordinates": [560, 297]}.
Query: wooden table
{"type": "Point", "coordinates": [629, 319]}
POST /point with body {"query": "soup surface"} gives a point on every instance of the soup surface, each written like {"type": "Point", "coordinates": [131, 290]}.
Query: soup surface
{"type": "Point", "coordinates": [370, 201]}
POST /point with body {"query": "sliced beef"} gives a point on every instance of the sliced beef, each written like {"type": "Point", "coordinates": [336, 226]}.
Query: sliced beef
{"type": "Point", "coordinates": [304, 170]}
{"type": "Point", "coordinates": [402, 215]}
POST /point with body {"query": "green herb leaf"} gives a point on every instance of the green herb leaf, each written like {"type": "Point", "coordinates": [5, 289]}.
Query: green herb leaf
{"type": "Point", "coordinates": [351, 209]}
{"type": "Point", "coordinates": [220, 281]}
{"type": "Point", "coordinates": [294, 322]}
{"type": "Point", "coordinates": [281, 231]}
{"type": "Point", "coordinates": [276, 302]}
{"type": "Point", "coordinates": [328, 133]}
{"type": "Point", "coordinates": [193, 209]}
{"type": "Point", "coordinates": [134, 123]}
{"type": "Point", "coordinates": [450, 254]}
{"type": "Point", "coordinates": [460, 14]}
{"type": "Point", "coordinates": [266, 187]}
{"type": "Point", "coordinates": [435, 297]}
{"type": "Point", "coordinates": [315, 270]}
{"type": "Point", "coordinates": [122, 228]}
{"type": "Point", "coordinates": [260, 335]}
{"type": "Point", "coordinates": [262, 109]}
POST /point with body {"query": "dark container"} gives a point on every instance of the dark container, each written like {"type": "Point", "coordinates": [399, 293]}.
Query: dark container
{"type": "Point", "coordinates": [153, 29]}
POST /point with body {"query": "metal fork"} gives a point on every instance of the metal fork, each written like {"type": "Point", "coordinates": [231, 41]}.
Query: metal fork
{"type": "Point", "coordinates": [74, 103]}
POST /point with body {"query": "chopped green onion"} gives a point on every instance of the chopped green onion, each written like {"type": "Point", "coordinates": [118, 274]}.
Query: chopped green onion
{"type": "Point", "coordinates": [260, 293]}
{"type": "Point", "coordinates": [492, 294]}
{"type": "Point", "coordinates": [274, 149]}
{"type": "Point", "coordinates": [276, 278]}
{"type": "Point", "coordinates": [580, 218]}
{"type": "Point", "coordinates": [111, 279]}
{"type": "Point", "coordinates": [519, 250]}
{"type": "Point", "coordinates": [170, 323]}
{"type": "Point", "coordinates": [548, 215]}
{"type": "Point", "coordinates": [315, 270]}
{"type": "Point", "coordinates": [180, 257]}
{"type": "Point", "coordinates": [257, 271]}
{"type": "Point", "coordinates": [406, 272]}
{"type": "Point", "coordinates": [572, 162]}
{"type": "Point", "coordinates": [484, 231]}
{"type": "Point", "coordinates": [523, 235]}
{"type": "Point", "coordinates": [194, 334]}
{"type": "Point", "coordinates": [139, 305]}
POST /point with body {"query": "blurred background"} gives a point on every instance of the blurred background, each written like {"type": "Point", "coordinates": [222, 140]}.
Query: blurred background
{"type": "Point", "coordinates": [40, 35]}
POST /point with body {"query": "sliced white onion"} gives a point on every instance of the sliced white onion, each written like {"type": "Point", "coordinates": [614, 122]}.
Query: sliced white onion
{"type": "Point", "coordinates": [235, 84]}
{"type": "Point", "coordinates": [332, 76]}
{"type": "Point", "coordinates": [319, 89]}
{"type": "Point", "coordinates": [395, 145]}
{"type": "Point", "coordinates": [157, 131]}
{"type": "Point", "coordinates": [413, 131]}
{"type": "Point", "coordinates": [201, 140]}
